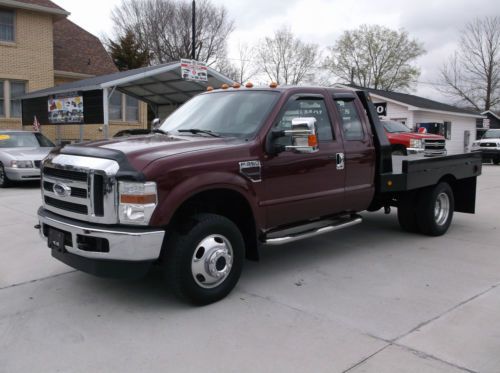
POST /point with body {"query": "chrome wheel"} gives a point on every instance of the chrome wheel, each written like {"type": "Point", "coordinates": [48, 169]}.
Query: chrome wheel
{"type": "Point", "coordinates": [212, 261]}
{"type": "Point", "coordinates": [442, 208]}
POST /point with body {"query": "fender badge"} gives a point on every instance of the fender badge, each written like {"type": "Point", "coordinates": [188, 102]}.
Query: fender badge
{"type": "Point", "coordinates": [251, 170]}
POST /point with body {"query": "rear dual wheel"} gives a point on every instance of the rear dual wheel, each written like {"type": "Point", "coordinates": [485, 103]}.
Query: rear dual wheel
{"type": "Point", "coordinates": [430, 211]}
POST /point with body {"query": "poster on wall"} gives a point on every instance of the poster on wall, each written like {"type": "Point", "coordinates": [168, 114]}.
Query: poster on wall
{"type": "Point", "coordinates": [66, 108]}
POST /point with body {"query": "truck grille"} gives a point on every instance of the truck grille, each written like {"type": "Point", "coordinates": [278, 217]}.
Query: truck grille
{"type": "Point", "coordinates": [84, 188]}
{"type": "Point", "coordinates": [66, 174]}
{"type": "Point", "coordinates": [75, 192]}
{"type": "Point", "coordinates": [434, 146]}
{"type": "Point", "coordinates": [488, 145]}
{"type": "Point", "coordinates": [67, 206]}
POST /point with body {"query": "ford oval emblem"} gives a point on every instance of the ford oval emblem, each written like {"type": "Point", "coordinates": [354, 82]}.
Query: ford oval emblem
{"type": "Point", "coordinates": [61, 190]}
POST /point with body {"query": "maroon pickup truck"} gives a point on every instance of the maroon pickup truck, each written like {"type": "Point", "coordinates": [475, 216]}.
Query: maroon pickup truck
{"type": "Point", "coordinates": [230, 171]}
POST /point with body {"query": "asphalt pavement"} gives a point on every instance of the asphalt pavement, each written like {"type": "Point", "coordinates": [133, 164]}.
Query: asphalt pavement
{"type": "Point", "coordinates": [370, 298]}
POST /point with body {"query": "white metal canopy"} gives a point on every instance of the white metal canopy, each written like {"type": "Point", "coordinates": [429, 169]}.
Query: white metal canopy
{"type": "Point", "coordinates": [159, 86]}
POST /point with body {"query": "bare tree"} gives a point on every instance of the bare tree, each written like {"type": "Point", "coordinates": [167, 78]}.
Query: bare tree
{"type": "Point", "coordinates": [245, 65]}
{"type": "Point", "coordinates": [472, 74]}
{"type": "Point", "coordinates": [374, 56]}
{"type": "Point", "coordinates": [286, 59]}
{"type": "Point", "coordinates": [163, 27]}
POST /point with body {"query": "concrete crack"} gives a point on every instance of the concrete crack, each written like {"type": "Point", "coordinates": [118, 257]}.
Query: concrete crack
{"type": "Point", "coordinates": [36, 280]}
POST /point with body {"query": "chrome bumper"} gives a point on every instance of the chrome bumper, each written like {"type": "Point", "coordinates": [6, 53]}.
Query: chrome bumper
{"type": "Point", "coordinates": [125, 243]}
{"type": "Point", "coordinates": [20, 174]}
{"type": "Point", "coordinates": [414, 150]}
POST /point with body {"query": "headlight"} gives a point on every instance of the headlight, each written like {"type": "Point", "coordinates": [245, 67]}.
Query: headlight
{"type": "Point", "coordinates": [21, 164]}
{"type": "Point", "coordinates": [137, 202]}
{"type": "Point", "coordinates": [475, 144]}
{"type": "Point", "coordinates": [415, 143]}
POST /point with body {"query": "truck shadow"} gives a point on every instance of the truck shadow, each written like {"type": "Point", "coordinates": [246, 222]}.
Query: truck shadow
{"type": "Point", "coordinates": [276, 262]}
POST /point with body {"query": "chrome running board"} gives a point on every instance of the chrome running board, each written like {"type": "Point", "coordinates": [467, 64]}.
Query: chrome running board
{"type": "Point", "coordinates": [296, 236]}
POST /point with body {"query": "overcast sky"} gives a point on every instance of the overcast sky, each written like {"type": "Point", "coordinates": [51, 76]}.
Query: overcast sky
{"type": "Point", "coordinates": [436, 23]}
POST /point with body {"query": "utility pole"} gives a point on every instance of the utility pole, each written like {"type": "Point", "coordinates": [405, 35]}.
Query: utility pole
{"type": "Point", "coordinates": [193, 24]}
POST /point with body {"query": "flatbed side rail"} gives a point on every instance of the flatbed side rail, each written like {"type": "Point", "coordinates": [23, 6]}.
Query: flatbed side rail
{"type": "Point", "coordinates": [424, 172]}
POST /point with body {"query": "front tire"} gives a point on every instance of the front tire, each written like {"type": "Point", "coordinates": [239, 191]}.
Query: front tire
{"type": "Point", "coordinates": [399, 150]}
{"type": "Point", "coordinates": [4, 180]}
{"type": "Point", "coordinates": [204, 258]}
{"type": "Point", "coordinates": [435, 208]}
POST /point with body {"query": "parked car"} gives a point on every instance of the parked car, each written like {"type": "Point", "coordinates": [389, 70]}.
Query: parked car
{"type": "Point", "coordinates": [21, 153]}
{"type": "Point", "coordinates": [489, 146]}
{"type": "Point", "coordinates": [404, 141]}
{"type": "Point", "coordinates": [232, 169]}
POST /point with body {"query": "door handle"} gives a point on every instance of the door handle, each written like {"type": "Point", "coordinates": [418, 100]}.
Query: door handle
{"type": "Point", "coordinates": [340, 159]}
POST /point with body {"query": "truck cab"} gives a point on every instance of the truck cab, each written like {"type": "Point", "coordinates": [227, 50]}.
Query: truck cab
{"type": "Point", "coordinates": [230, 171]}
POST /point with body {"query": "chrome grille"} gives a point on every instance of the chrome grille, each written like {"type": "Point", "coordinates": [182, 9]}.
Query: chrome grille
{"type": "Point", "coordinates": [488, 145]}
{"type": "Point", "coordinates": [434, 146]}
{"type": "Point", "coordinates": [83, 188]}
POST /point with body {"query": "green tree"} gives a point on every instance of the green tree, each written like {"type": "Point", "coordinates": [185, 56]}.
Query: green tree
{"type": "Point", "coordinates": [127, 53]}
{"type": "Point", "coordinates": [374, 56]}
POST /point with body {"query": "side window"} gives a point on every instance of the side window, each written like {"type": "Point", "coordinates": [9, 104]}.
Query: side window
{"type": "Point", "coordinates": [307, 107]}
{"type": "Point", "coordinates": [351, 123]}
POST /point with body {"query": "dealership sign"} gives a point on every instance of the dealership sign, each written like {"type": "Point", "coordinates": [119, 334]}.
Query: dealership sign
{"type": "Point", "coordinates": [194, 70]}
{"type": "Point", "coordinates": [381, 108]}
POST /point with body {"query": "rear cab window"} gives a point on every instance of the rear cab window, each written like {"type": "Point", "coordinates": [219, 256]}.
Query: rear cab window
{"type": "Point", "coordinates": [351, 124]}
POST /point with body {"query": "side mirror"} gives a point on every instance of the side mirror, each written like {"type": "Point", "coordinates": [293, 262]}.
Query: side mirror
{"type": "Point", "coordinates": [155, 123]}
{"type": "Point", "coordinates": [304, 136]}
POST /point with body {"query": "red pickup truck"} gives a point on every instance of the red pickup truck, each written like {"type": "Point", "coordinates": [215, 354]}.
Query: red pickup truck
{"type": "Point", "coordinates": [230, 171]}
{"type": "Point", "coordinates": [404, 141]}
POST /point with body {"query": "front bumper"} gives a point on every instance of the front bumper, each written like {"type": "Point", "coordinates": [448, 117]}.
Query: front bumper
{"type": "Point", "coordinates": [488, 153]}
{"type": "Point", "coordinates": [414, 151]}
{"type": "Point", "coordinates": [120, 252]}
{"type": "Point", "coordinates": [21, 174]}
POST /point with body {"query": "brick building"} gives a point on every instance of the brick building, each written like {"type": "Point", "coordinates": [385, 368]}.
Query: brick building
{"type": "Point", "coordinates": [41, 48]}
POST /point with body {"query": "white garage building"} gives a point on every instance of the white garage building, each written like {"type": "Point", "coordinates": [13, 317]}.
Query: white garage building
{"type": "Point", "coordinates": [457, 125]}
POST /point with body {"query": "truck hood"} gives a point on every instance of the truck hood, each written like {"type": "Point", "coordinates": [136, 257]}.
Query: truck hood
{"type": "Point", "coordinates": [413, 135]}
{"type": "Point", "coordinates": [483, 141]}
{"type": "Point", "coordinates": [142, 150]}
{"type": "Point", "coordinates": [26, 154]}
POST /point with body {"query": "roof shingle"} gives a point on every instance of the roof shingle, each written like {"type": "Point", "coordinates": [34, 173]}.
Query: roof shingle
{"type": "Point", "coordinates": [419, 102]}
{"type": "Point", "coordinates": [44, 3]}
{"type": "Point", "coordinates": [78, 51]}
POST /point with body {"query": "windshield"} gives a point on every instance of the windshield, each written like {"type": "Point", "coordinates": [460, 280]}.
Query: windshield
{"type": "Point", "coordinates": [492, 134]}
{"type": "Point", "coordinates": [228, 114]}
{"type": "Point", "coordinates": [24, 140]}
{"type": "Point", "coordinates": [394, 127]}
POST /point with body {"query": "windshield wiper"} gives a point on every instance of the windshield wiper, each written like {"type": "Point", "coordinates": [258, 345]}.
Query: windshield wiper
{"type": "Point", "coordinates": [197, 130]}
{"type": "Point", "coordinates": [159, 130]}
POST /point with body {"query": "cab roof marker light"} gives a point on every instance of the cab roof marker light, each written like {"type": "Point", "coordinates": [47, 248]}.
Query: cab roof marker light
{"type": "Point", "coordinates": [249, 85]}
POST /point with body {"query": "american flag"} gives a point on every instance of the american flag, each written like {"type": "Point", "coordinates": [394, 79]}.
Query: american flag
{"type": "Point", "coordinates": [36, 124]}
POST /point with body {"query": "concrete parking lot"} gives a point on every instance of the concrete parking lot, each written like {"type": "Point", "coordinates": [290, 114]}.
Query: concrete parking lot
{"type": "Point", "coordinates": [367, 299]}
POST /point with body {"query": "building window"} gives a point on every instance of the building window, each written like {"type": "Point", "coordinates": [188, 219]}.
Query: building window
{"type": "Point", "coordinates": [115, 106]}
{"type": "Point", "coordinates": [17, 89]}
{"type": "Point", "coordinates": [2, 98]}
{"type": "Point", "coordinates": [132, 106]}
{"type": "Point", "coordinates": [447, 130]}
{"type": "Point", "coordinates": [123, 108]}
{"type": "Point", "coordinates": [6, 25]}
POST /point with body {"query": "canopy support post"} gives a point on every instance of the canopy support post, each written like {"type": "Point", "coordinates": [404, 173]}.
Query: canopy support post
{"type": "Point", "coordinates": [105, 105]}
